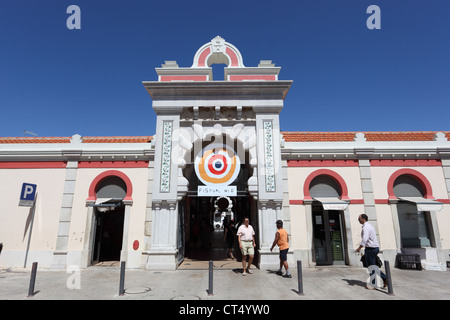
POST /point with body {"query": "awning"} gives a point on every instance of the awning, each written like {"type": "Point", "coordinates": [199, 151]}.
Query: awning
{"type": "Point", "coordinates": [107, 204]}
{"type": "Point", "coordinates": [424, 204]}
{"type": "Point", "coordinates": [332, 203]}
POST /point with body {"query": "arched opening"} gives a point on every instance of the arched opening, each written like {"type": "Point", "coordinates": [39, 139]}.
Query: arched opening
{"type": "Point", "coordinates": [205, 218]}
{"type": "Point", "coordinates": [329, 237]}
{"type": "Point", "coordinates": [415, 224]}
{"type": "Point", "coordinates": [108, 224]}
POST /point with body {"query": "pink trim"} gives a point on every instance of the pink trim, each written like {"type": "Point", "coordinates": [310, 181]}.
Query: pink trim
{"type": "Point", "coordinates": [113, 164]}
{"type": "Point", "coordinates": [296, 202]}
{"type": "Point", "coordinates": [202, 57]}
{"type": "Point", "coordinates": [252, 77]}
{"type": "Point", "coordinates": [234, 62]}
{"type": "Point", "coordinates": [104, 175]}
{"type": "Point", "coordinates": [405, 163]}
{"type": "Point", "coordinates": [357, 201]}
{"type": "Point", "coordinates": [184, 78]}
{"type": "Point", "coordinates": [33, 165]}
{"type": "Point", "coordinates": [323, 163]}
{"type": "Point", "coordinates": [416, 174]}
{"type": "Point", "coordinates": [332, 174]}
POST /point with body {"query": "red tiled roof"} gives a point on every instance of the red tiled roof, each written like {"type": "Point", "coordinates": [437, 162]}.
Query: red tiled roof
{"type": "Point", "coordinates": [138, 139]}
{"type": "Point", "coordinates": [370, 136]}
{"type": "Point", "coordinates": [34, 140]}
{"type": "Point", "coordinates": [289, 136]}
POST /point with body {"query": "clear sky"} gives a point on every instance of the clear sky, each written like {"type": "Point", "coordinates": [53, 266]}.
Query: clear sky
{"type": "Point", "coordinates": [59, 82]}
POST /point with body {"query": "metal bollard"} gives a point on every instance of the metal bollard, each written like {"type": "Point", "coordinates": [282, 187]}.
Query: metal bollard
{"type": "Point", "coordinates": [32, 280]}
{"type": "Point", "coordinates": [122, 278]}
{"type": "Point", "coordinates": [300, 278]}
{"type": "Point", "coordinates": [211, 267]}
{"type": "Point", "coordinates": [388, 278]}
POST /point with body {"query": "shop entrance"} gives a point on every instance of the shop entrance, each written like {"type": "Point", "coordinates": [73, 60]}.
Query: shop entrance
{"type": "Point", "coordinates": [108, 235]}
{"type": "Point", "coordinates": [328, 229]}
{"type": "Point", "coordinates": [205, 226]}
{"type": "Point", "coordinates": [205, 219]}
{"type": "Point", "coordinates": [108, 221]}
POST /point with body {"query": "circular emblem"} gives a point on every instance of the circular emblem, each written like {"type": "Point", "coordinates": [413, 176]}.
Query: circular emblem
{"type": "Point", "coordinates": [217, 164]}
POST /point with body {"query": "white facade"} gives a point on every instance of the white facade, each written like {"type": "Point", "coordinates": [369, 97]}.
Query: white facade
{"type": "Point", "coordinates": [283, 175]}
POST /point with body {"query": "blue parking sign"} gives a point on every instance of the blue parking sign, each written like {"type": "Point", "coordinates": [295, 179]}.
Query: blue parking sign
{"type": "Point", "coordinates": [28, 194]}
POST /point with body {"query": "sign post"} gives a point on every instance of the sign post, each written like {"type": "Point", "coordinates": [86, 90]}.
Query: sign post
{"type": "Point", "coordinates": [28, 199]}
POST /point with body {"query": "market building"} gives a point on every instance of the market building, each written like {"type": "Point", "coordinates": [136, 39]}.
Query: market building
{"type": "Point", "coordinates": [218, 154]}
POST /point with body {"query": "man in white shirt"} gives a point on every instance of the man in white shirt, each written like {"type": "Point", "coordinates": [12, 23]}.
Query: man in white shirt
{"type": "Point", "coordinates": [246, 237]}
{"type": "Point", "coordinates": [370, 243]}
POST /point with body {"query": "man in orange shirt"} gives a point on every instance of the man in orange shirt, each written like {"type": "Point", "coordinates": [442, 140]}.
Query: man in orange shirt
{"type": "Point", "coordinates": [282, 241]}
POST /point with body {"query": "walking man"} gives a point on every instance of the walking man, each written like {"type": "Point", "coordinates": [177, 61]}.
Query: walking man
{"type": "Point", "coordinates": [282, 241]}
{"type": "Point", "coordinates": [370, 243]}
{"type": "Point", "coordinates": [246, 237]}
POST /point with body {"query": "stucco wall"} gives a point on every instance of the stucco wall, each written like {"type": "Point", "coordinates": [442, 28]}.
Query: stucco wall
{"type": "Point", "coordinates": [15, 220]}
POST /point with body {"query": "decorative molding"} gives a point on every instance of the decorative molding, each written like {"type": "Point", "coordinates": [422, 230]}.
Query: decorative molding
{"type": "Point", "coordinates": [268, 156]}
{"type": "Point", "coordinates": [166, 156]}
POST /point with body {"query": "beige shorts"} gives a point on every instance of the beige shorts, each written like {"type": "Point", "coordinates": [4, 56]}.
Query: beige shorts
{"type": "Point", "coordinates": [247, 248]}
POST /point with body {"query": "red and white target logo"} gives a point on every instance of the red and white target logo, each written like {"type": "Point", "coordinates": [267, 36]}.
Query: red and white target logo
{"type": "Point", "coordinates": [217, 164]}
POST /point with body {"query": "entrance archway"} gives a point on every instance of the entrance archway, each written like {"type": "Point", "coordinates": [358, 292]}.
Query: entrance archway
{"type": "Point", "coordinates": [109, 196]}
{"type": "Point", "coordinates": [205, 218]}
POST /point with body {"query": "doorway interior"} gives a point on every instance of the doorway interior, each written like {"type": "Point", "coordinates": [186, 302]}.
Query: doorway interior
{"type": "Point", "coordinates": [204, 231]}
{"type": "Point", "coordinates": [108, 236]}
{"type": "Point", "coordinates": [329, 236]}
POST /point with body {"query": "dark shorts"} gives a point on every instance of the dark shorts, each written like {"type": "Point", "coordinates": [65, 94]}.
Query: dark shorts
{"type": "Point", "coordinates": [283, 254]}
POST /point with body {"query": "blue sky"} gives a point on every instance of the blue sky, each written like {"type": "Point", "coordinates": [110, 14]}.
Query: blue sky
{"type": "Point", "coordinates": [59, 82]}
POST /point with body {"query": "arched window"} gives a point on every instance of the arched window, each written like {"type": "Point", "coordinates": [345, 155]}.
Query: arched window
{"type": "Point", "coordinates": [324, 186]}
{"type": "Point", "coordinates": [415, 225]}
{"type": "Point", "coordinates": [111, 187]}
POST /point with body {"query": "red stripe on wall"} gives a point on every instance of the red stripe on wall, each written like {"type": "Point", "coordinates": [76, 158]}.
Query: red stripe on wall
{"type": "Point", "coordinates": [202, 58]}
{"type": "Point", "coordinates": [113, 164]}
{"type": "Point", "coordinates": [323, 163]}
{"type": "Point", "coordinates": [184, 78]}
{"type": "Point", "coordinates": [251, 77]}
{"type": "Point", "coordinates": [233, 57]}
{"type": "Point", "coordinates": [405, 163]}
{"type": "Point", "coordinates": [33, 165]}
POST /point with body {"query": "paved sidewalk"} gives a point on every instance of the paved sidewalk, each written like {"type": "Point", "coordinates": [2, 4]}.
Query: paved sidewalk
{"type": "Point", "coordinates": [102, 283]}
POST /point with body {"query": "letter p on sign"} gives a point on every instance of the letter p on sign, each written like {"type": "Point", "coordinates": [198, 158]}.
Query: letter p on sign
{"type": "Point", "coordinates": [27, 195]}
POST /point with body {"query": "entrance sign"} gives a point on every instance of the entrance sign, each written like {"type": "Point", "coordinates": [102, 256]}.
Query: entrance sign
{"type": "Point", "coordinates": [217, 165]}
{"type": "Point", "coordinates": [27, 195]}
{"type": "Point", "coordinates": [215, 191]}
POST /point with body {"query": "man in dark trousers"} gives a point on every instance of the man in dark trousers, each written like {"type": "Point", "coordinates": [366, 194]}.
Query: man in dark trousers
{"type": "Point", "coordinates": [370, 243]}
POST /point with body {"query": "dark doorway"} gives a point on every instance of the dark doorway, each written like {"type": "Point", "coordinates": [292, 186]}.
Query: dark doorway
{"type": "Point", "coordinates": [328, 229]}
{"type": "Point", "coordinates": [205, 229]}
{"type": "Point", "coordinates": [108, 235]}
